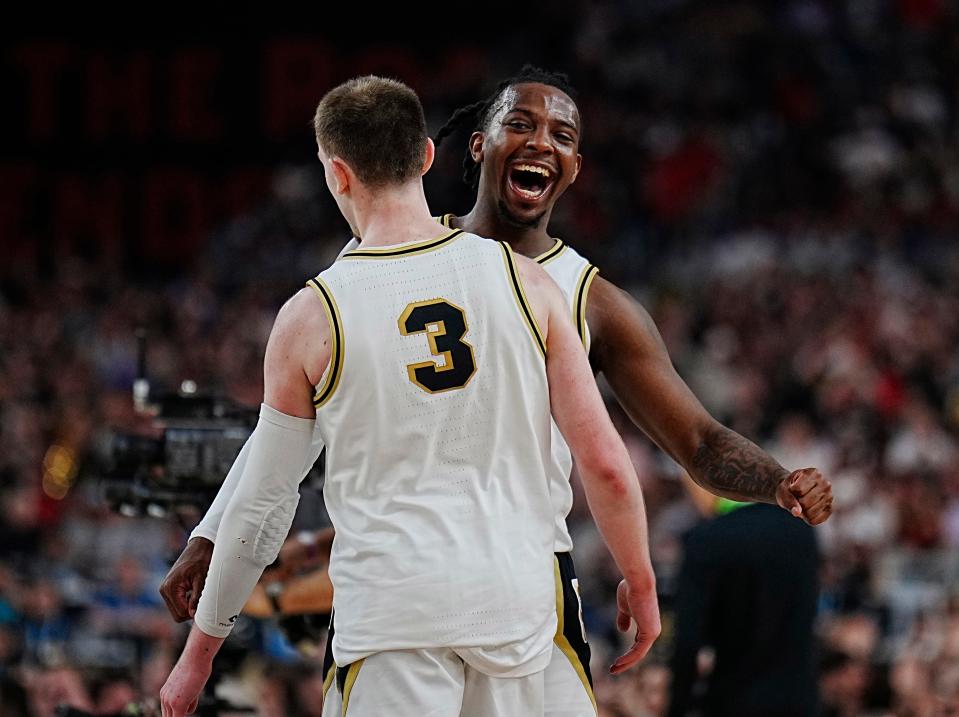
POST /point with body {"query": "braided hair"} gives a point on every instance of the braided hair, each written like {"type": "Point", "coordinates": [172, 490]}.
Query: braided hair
{"type": "Point", "coordinates": [480, 113]}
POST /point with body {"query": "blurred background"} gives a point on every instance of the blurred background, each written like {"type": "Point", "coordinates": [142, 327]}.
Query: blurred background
{"type": "Point", "coordinates": [777, 183]}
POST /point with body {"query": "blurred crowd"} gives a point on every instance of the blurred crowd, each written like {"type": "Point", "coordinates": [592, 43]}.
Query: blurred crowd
{"type": "Point", "coordinates": [777, 183]}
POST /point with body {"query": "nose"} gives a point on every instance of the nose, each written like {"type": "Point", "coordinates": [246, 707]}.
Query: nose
{"type": "Point", "coordinates": [539, 139]}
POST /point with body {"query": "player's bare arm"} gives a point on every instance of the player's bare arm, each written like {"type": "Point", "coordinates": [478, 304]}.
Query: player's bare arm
{"type": "Point", "coordinates": [297, 353]}
{"type": "Point", "coordinates": [627, 348]}
{"type": "Point", "coordinates": [612, 489]}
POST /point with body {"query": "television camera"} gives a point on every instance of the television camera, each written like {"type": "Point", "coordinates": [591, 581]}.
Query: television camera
{"type": "Point", "coordinates": [173, 466]}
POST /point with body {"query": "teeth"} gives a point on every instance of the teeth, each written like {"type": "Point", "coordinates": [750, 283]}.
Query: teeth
{"type": "Point", "coordinates": [533, 168]}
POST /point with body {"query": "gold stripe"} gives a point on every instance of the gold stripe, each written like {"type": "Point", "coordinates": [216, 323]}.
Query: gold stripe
{"type": "Point", "coordinates": [348, 686]}
{"type": "Point", "coordinates": [562, 643]}
{"type": "Point", "coordinates": [554, 251]}
{"type": "Point", "coordinates": [328, 680]}
{"type": "Point", "coordinates": [324, 394]}
{"type": "Point", "coordinates": [520, 296]}
{"type": "Point", "coordinates": [409, 250]}
{"type": "Point", "coordinates": [579, 301]}
{"type": "Point", "coordinates": [446, 220]}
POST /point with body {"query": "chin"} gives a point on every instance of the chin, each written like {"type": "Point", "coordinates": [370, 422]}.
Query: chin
{"type": "Point", "coordinates": [521, 219]}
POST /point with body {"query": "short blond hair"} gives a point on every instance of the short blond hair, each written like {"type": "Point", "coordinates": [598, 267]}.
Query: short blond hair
{"type": "Point", "coordinates": [376, 125]}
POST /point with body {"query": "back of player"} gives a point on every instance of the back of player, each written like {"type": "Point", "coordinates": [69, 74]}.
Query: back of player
{"type": "Point", "coordinates": [431, 391]}
{"type": "Point", "coordinates": [436, 414]}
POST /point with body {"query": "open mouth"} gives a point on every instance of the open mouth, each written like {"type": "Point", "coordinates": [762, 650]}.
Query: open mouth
{"type": "Point", "coordinates": [530, 181]}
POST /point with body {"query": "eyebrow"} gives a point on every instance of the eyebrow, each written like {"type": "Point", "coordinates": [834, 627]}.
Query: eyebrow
{"type": "Point", "coordinates": [530, 113]}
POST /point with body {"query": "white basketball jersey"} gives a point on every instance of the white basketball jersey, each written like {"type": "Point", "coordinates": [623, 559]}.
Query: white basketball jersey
{"type": "Point", "coordinates": [435, 413]}
{"type": "Point", "coordinates": [574, 274]}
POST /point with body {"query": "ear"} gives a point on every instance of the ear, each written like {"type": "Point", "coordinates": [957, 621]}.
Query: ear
{"type": "Point", "coordinates": [428, 156]}
{"type": "Point", "coordinates": [579, 164]}
{"type": "Point", "coordinates": [342, 174]}
{"type": "Point", "coordinates": [476, 146]}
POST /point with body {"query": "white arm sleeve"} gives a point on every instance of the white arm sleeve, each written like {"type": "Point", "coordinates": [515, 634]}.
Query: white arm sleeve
{"type": "Point", "coordinates": [257, 518]}
{"type": "Point", "coordinates": [210, 524]}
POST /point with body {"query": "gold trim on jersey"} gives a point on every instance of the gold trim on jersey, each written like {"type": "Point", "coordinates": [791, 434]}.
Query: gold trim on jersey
{"type": "Point", "coordinates": [420, 247]}
{"type": "Point", "coordinates": [560, 639]}
{"type": "Point", "coordinates": [351, 675]}
{"type": "Point", "coordinates": [554, 251]}
{"type": "Point", "coordinates": [547, 256]}
{"type": "Point", "coordinates": [328, 680]}
{"type": "Point", "coordinates": [579, 300]}
{"type": "Point", "coordinates": [323, 394]}
{"type": "Point", "coordinates": [521, 299]}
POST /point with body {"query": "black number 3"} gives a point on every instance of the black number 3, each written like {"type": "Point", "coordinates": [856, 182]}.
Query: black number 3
{"type": "Point", "coordinates": [444, 325]}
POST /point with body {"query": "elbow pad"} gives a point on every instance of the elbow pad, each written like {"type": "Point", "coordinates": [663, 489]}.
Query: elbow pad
{"type": "Point", "coordinates": [258, 517]}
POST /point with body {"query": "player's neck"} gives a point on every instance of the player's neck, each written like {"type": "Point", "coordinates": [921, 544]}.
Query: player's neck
{"type": "Point", "coordinates": [394, 216]}
{"type": "Point", "coordinates": [486, 221]}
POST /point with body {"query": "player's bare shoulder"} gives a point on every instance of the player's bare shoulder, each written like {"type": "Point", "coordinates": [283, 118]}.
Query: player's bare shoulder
{"type": "Point", "coordinates": [532, 274]}
{"type": "Point", "coordinates": [301, 333]}
{"type": "Point", "coordinates": [301, 313]}
{"type": "Point", "coordinates": [615, 317]}
{"type": "Point", "coordinates": [607, 298]}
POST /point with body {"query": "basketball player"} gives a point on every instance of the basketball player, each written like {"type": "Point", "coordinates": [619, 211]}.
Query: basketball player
{"type": "Point", "coordinates": [431, 364]}
{"type": "Point", "coordinates": [522, 156]}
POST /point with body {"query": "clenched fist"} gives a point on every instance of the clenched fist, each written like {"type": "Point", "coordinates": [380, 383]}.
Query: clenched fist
{"type": "Point", "coordinates": [183, 584]}
{"type": "Point", "coordinates": [806, 494]}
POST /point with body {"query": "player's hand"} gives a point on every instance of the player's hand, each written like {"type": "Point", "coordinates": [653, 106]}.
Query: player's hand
{"type": "Point", "coordinates": [807, 495]}
{"type": "Point", "coordinates": [181, 693]}
{"type": "Point", "coordinates": [182, 586]}
{"type": "Point", "coordinates": [641, 606]}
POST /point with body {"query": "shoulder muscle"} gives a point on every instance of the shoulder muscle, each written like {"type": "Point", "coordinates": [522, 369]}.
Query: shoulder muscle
{"type": "Point", "coordinates": [297, 354]}
{"type": "Point", "coordinates": [618, 322]}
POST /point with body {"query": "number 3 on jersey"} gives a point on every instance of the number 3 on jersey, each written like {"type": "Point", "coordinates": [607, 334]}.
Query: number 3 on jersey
{"type": "Point", "coordinates": [444, 325]}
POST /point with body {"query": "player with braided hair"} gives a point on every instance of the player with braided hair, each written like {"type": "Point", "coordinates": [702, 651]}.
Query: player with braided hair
{"type": "Point", "coordinates": [523, 153]}
{"type": "Point", "coordinates": [481, 111]}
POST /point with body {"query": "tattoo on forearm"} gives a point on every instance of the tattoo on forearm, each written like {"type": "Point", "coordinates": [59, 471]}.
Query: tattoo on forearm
{"type": "Point", "coordinates": [734, 467]}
